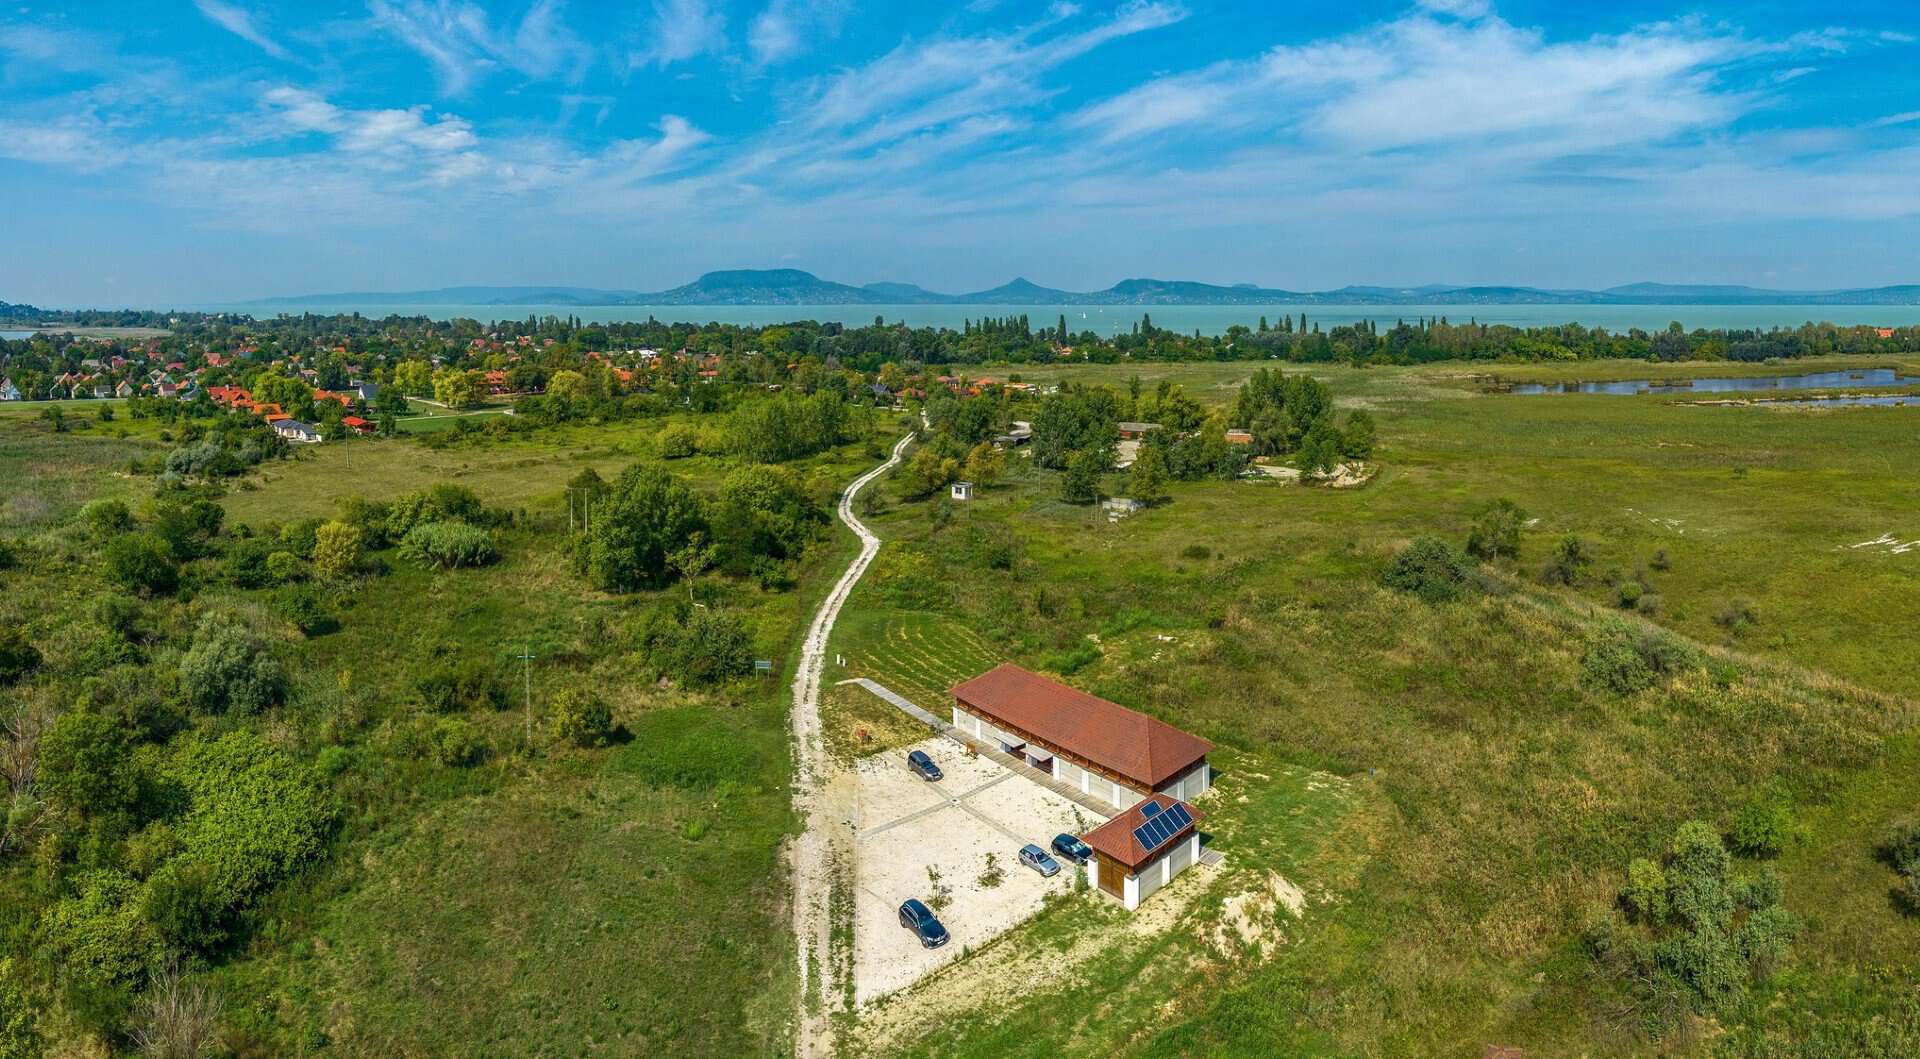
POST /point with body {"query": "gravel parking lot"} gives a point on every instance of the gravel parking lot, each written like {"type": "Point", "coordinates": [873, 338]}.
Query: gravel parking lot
{"type": "Point", "coordinates": [904, 825]}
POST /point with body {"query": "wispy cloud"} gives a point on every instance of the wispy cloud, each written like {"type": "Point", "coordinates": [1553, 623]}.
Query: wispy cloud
{"type": "Point", "coordinates": [463, 44]}
{"type": "Point", "coordinates": [680, 30]}
{"type": "Point", "coordinates": [239, 22]}
{"type": "Point", "coordinates": [785, 28]}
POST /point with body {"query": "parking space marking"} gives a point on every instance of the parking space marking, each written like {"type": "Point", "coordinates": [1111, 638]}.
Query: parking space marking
{"type": "Point", "coordinates": [932, 809]}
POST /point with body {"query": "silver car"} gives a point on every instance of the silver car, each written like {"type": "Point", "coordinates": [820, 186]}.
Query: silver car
{"type": "Point", "coordinates": [1039, 860]}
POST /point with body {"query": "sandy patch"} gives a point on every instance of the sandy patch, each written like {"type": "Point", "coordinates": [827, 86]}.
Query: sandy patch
{"type": "Point", "coordinates": [1886, 541]}
{"type": "Point", "coordinates": [1248, 920]}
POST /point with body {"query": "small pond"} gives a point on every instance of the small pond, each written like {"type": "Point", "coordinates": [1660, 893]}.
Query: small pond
{"type": "Point", "coordinates": [15, 336]}
{"type": "Point", "coordinates": [1818, 380]}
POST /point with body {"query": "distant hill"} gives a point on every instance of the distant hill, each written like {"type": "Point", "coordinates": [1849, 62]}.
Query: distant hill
{"type": "Point", "coordinates": [11, 311]}
{"type": "Point", "coordinates": [789, 286]}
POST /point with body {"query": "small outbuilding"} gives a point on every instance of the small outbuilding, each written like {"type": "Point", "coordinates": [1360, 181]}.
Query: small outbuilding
{"type": "Point", "coordinates": [1136, 431]}
{"type": "Point", "coordinates": [1144, 848]}
{"type": "Point", "coordinates": [963, 490]}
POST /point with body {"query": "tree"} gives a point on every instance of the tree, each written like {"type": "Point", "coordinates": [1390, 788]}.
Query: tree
{"type": "Point", "coordinates": [1081, 483]}
{"type": "Point", "coordinates": [414, 377]}
{"type": "Point", "coordinates": [1569, 563]}
{"type": "Point", "coordinates": [1359, 434]}
{"type": "Point", "coordinates": [926, 472]}
{"type": "Point", "coordinates": [229, 669]}
{"type": "Point", "coordinates": [458, 389]}
{"type": "Point", "coordinates": [984, 464]}
{"type": "Point", "coordinates": [337, 550]}
{"type": "Point", "coordinates": [567, 385]}
{"type": "Point", "coordinates": [1147, 478]}
{"type": "Point", "coordinates": [142, 563]}
{"type": "Point", "coordinates": [1320, 452]}
{"type": "Point", "coordinates": [648, 516]}
{"type": "Point", "coordinates": [1496, 530]}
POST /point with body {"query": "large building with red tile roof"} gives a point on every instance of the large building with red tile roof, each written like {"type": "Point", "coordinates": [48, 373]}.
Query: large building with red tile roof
{"type": "Point", "coordinates": [1110, 752]}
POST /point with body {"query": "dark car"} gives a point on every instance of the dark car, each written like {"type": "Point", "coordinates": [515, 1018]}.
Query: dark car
{"type": "Point", "coordinates": [919, 762]}
{"type": "Point", "coordinates": [1036, 858]}
{"type": "Point", "coordinates": [919, 918]}
{"type": "Point", "coordinates": [1074, 849]}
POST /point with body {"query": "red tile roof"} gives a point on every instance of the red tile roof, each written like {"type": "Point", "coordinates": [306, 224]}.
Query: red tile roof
{"type": "Point", "coordinates": [1115, 838]}
{"type": "Point", "coordinates": [1138, 747]}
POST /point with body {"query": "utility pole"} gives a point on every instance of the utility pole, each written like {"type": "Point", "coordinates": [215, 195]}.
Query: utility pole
{"type": "Point", "coordinates": [526, 657]}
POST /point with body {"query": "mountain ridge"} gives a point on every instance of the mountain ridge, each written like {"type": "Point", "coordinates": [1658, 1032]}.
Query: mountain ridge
{"type": "Point", "coordinates": [789, 286]}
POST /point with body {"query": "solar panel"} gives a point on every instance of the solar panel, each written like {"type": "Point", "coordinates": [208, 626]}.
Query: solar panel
{"type": "Point", "coordinates": [1148, 810]}
{"type": "Point", "coordinates": [1161, 825]}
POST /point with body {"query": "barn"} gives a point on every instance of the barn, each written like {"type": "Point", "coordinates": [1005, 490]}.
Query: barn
{"type": "Point", "coordinates": [1142, 849]}
{"type": "Point", "coordinates": [1110, 752]}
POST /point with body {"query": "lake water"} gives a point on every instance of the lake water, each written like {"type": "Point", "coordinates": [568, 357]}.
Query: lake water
{"type": "Point", "coordinates": [1114, 319]}
{"type": "Point", "coordinates": [15, 336]}
{"type": "Point", "coordinates": [1870, 400]}
{"type": "Point", "coordinates": [1818, 380]}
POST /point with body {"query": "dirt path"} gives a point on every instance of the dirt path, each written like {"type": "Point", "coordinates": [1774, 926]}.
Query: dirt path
{"type": "Point", "coordinates": [824, 798]}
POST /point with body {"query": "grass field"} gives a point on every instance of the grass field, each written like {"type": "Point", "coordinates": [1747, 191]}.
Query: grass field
{"type": "Point", "coordinates": [1509, 795]}
{"type": "Point", "coordinates": [559, 903]}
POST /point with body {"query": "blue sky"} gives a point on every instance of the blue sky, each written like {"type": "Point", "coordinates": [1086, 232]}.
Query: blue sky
{"type": "Point", "coordinates": [177, 151]}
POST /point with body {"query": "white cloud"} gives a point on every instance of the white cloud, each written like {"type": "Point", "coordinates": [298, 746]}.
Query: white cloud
{"type": "Point", "coordinates": [785, 28]}
{"type": "Point", "coordinates": [680, 30]}
{"type": "Point", "coordinates": [239, 22]}
{"type": "Point", "coordinates": [1423, 81]}
{"type": "Point", "coordinates": [1897, 119]}
{"type": "Point", "coordinates": [462, 43]}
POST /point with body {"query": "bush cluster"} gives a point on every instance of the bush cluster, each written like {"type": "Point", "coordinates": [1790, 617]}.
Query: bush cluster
{"type": "Point", "coordinates": [1692, 929]}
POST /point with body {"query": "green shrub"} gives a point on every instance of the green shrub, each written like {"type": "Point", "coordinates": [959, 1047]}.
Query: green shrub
{"type": "Point", "coordinates": [1496, 531]}
{"type": "Point", "coordinates": [456, 741]}
{"type": "Point", "coordinates": [86, 762]}
{"type": "Point", "coordinates": [1196, 552]}
{"type": "Point", "coordinates": [1431, 569]}
{"type": "Point", "coordinates": [305, 607]}
{"type": "Point", "coordinates": [182, 903]}
{"type": "Point", "coordinates": [581, 718]}
{"type": "Point", "coordinates": [1569, 563]}
{"type": "Point", "coordinates": [1762, 828]}
{"type": "Point", "coordinates": [106, 518]}
{"type": "Point", "coordinates": [229, 669]}
{"type": "Point", "coordinates": [1699, 928]}
{"type": "Point", "coordinates": [1073, 659]}
{"type": "Point", "coordinates": [1625, 659]}
{"type": "Point", "coordinates": [254, 816]}
{"type": "Point", "coordinates": [448, 545]}
{"type": "Point", "coordinates": [445, 502]}
{"type": "Point", "coordinates": [698, 649]}
{"type": "Point", "coordinates": [142, 563]}
{"type": "Point", "coordinates": [246, 563]}
{"type": "Point", "coordinates": [18, 656]}
{"type": "Point", "coordinates": [99, 935]}
{"type": "Point", "coordinates": [337, 551]}
{"type": "Point", "coordinates": [451, 685]}
{"type": "Point", "coordinates": [285, 567]}
{"type": "Point", "coordinates": [19, 1028]}
{"type": "Point", "coordinates": [9, 555]}
{"type": "Point", "coordinates": [300, 535]}
{"type": "Point", "coordinates": [677, 442]}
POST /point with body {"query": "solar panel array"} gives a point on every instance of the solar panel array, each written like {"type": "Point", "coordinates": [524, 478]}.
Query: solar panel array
{"type": "Point", "coordinates": [1149, 810]}
{"type": "Point", "coordinates": [1162, 826]}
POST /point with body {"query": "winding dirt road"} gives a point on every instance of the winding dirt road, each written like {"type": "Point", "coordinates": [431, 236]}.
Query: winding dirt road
{"type": "Point", "coordinates": [823, 797]}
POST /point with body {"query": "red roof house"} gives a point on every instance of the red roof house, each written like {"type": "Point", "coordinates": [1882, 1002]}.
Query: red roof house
{"type": "Point", "coordinates": [1107, 750]}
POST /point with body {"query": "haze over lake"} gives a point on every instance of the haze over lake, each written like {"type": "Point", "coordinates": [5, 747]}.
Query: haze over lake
{"type": "Point", "coordinates": [1112, 319]}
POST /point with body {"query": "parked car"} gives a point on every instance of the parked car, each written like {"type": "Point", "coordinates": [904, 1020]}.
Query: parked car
{"type": "Point", "coordinates": [919, 762]}
{"type": "Point", "coordinates": [1036, 858]}
{"type": "Point", "coordinates": [1072, 848]}
{"type": "Point", "coordinates": [919, 918]}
